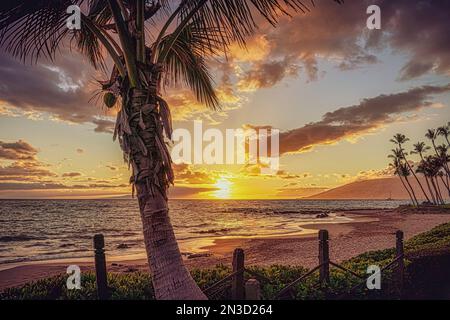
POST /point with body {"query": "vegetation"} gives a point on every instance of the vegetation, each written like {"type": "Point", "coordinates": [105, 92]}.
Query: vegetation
{"type": "Point", "coordinates": [434, 167]}
{"type": "Point", "coordinates": [137, 285]}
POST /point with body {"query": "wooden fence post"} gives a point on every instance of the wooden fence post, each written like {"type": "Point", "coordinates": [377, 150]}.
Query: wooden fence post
{"type": "Point", "coordinates": [252, 290]}
{"type": "Point", "coordinates": [324, 257]}
{"type": "Point", "coordinates": [100, 267]}
{"type": "Point", "coordinates": [401, 261]}
{"type": "Point", "coordinates": [237, 284]}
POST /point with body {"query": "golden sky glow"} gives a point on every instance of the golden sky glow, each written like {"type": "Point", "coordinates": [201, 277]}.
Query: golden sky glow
{"type": "Point", "coordinates": [336, 92]}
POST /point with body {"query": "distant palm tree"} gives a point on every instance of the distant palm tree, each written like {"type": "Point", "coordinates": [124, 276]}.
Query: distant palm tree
{"type": "Point", "coordinates": [445, 159]}
{"type": "Point", "coordinates": [420, 148]}
{"type": "Point", "coordinates": [401, 139]}
{"type": "Point", "coordinates": [432, 166]}
{"type": "Point", "coordinates": [424, 167]}
{"type": "Point", "coordinates": [405, 172]}
{"type": "Point", "coordinates": [395, 164]}
{"type": "Point", "coordinates": [432, 134]}
{"type": "Point", "coordinates": [440, 174]}
{"type": "Point", "coordinates": [187, 32]}
{"type": "Point", "coordinates": [445, 132]}
{"type": "Point", "coordinates": [399, 170]}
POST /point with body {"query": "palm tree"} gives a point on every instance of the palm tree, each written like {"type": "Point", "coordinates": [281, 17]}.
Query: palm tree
{"type": "Point", "coordinates": [432, 167]}
{"type": "Point", "coordinates": [432, 134]}
{"type": "Point", "coordinates": [445, 132]}
{"type": "Point", "coordinates": [420, 148]}
{"type": "Point", "coordinates": [440, 174]}
{"type": "Point", "coordinates": [401, 139]}
{"type": "Point", "coordinates": [444, 158]}
{"type": "Point", "coordinates": [399, 169]}
{"type": "Point", "coordinates": [422, 168]}
{"type": "Point", "coordinates": [187, 31]}
{"type": "Point", "coordinates": [405, 172]}
{"type": "Point", "coordinates": [396, 166]}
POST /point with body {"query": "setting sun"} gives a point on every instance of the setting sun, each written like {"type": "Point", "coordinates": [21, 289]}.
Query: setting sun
{"type": "Point", "coordinates": [224, 188]}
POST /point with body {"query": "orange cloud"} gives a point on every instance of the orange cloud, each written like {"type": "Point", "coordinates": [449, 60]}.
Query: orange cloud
{"type": "Point", "coordinates": [353, 121]}
{"type": "Point", "coordinates": [19, 150]}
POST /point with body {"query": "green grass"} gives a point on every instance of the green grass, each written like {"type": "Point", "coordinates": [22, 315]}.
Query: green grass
{"type": "Point", "coordinates": [137, 285]}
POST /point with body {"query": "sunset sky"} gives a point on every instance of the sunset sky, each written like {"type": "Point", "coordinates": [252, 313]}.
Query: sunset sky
{"type": "Point", "coordinates": [336, 91]}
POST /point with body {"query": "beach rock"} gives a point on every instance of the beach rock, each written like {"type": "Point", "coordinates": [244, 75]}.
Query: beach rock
{"type": "Point", "coordinates": [322, 215]}
{"type": "Point", "coordinates": [198, 255]}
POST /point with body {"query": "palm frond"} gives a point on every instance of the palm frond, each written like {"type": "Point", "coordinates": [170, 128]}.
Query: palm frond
{"type": "Point", "coordinates": [33, 28]}
{"type": "Point", "coordinates": [36, 29]}
{"type": "Point", "coordinates": [185, 63]}
{"type": "Point", "coordinates": [235, 19]}
{"type": "Point", "coordinates": [86, 41]}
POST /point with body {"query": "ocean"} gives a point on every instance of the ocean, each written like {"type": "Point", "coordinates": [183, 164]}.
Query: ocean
{"type": "Point", "coordinates": [35, 230]}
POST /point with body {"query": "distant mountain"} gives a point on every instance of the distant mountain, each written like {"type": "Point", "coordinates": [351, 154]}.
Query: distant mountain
{"type": "Point", "coordinates": [376, 189]}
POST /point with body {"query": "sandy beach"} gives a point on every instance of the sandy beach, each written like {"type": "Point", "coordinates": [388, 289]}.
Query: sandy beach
{"type": "Point", "coordinates": [367, 230]}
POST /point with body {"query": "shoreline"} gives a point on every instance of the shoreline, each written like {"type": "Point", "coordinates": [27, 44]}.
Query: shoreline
{"type": "Point", "coordinates": [309, 231]}
{"type": "Point", "coordinates": [367, 230]}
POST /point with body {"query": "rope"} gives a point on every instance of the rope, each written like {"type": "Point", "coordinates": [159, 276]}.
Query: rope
{"type": "Point", "coordinates": [293, 283]}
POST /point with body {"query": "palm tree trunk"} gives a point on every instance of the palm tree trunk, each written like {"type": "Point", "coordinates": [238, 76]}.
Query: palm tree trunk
{"type": "Point", "coordinates": [171, 279]}
{"type": "Point", "coordinates": [417, 179]}
{"type": "Point", "coordinates": [140, 130]}
{"type": "Point", "coordinates": [429, 189]}
{"type": "Point", "coordinates": [412, 191]}
{"type": "Point", "coordinates": [445, 185]}
{"type": "Point", "coordinates": [436, 187]}
{"type": "Point", "coordinates": [406, 188]}
{"type": "Point", "coordinates": [428, 183]}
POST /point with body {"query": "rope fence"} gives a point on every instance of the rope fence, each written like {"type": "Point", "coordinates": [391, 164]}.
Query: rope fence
{"type": "Point", "coordinates": [251, 289]}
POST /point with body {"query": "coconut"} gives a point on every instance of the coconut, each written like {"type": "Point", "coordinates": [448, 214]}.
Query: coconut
{"type": "Point", "coordinates": [109, 99]}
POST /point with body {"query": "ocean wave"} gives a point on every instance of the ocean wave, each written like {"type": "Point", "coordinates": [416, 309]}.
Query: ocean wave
{"type": "Point", "coordinates": [212, 231]}
{"type": "Point", "coordinates": [19, 238]}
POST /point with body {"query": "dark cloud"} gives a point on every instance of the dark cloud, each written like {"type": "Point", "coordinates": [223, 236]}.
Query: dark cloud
{"type": "Point", "coordinates": [283, 174]}
{"type": "Point", "coordinates": [51, 186]}
{"type": "Point", "coordinates": [19, 150]}
{"type": "Point", "coordinates": [25, 169]}
{"type": "Point", "coordinates": [62, 88]}
{"type": "Point", "coordinates": [30, 186]}
{"type": "Point", "coordinates": [338, 33]}
{"type": "Point", "coordinates": [419, 28]}
{"type": "Point", "coordinates": [71, 174]}
{"type": "Point", "coordinates": [105, 126]}
{"type": "Point", "coordinates": [25, 165]}
{"type": "Point", "coordinates": [355, 120]}
{"type": "Point", "coordinates": [28, 173]}
{"type": "Point", "coordinates": [185, 173]}
{"type": "Point", "coordinates": [267, 74]}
